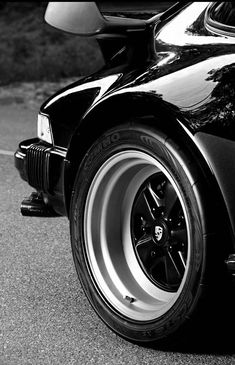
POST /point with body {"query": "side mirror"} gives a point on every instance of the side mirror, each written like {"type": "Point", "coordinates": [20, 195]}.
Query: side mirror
{"type": "Point", "coordinates": [84, 18]}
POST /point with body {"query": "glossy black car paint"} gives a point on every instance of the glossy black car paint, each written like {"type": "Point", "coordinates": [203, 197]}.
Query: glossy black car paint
{"type": "Point", "coordinates": [188, 87]}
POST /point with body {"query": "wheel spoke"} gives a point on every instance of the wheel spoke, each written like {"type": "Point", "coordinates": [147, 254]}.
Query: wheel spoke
{"type": "Point", "coordinates": [149, 205]}
{"type": "Point", "coordinates": [177, 263]}
{"type": "Point", "coordinates": [169, 271]}
{"type": "Point", "coordinates": [157, 264]}
{"type": "Point", "coordinates": [182, 259]}
{"type": "Point", "coordinates": [143, 208]}
{"type": "Point", "coordinates": [146, 238]}
{"type": "Point", "coordinates": [166, 270]}
{"type": "Point", "coordinates": [154, 199]}
{"type": "Point", "coordinates": [145, 248]}
{"type": "Point", "coordinates": [179, 235]}
{"type": "Point", "coordinates": [170, 199]}
{"type": "Point", "coordinates": [172, 273]}
{"type": "Point", "coordinates": [149, 202]}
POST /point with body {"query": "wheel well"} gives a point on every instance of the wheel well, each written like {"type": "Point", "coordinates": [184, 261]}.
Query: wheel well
{"type": "Point", "coordinates": [108, 114]}
{"type": "Point", "coordinates": [120, 109]}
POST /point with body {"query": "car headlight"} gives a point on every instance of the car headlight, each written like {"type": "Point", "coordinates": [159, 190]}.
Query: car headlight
{"type": "Point", "coordinates": [44, 128]}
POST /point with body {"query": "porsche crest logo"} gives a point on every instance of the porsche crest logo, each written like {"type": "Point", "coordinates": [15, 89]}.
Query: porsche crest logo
{"type": "Point", "coordinates": [158, 232]}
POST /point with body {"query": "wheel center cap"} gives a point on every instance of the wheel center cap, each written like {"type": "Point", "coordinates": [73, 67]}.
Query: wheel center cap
{"type": "Point", "coordinates": [158, 232]}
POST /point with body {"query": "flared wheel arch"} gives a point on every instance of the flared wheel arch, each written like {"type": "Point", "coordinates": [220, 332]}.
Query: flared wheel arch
{"type": "Point", "coordinates": [143, 107]}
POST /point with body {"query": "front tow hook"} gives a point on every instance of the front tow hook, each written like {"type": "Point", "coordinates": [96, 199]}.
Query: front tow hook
{"type": "Point", "coordinates": [35, 206]}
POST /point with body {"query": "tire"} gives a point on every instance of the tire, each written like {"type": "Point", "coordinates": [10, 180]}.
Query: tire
{"type": "Point", "coordinates": [139, 234]}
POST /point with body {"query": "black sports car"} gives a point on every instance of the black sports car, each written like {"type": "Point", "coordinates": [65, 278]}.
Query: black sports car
{"type": "Point", "coordinates": [140, 158]}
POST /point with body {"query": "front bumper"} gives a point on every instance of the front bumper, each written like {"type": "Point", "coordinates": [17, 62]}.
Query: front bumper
{"type": "Point", "coordinates": [42, 166]}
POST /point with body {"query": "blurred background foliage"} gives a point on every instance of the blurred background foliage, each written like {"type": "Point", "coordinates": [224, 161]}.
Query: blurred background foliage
{"type": "Point", "coordinates": [31, 50]}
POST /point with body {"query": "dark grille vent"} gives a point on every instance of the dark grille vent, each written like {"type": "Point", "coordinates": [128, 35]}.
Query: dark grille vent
{"type": "Point", "coordinates": [37, 166]}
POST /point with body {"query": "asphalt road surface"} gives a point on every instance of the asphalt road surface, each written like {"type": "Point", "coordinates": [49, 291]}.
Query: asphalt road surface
{"type": "Point", "coordinates": [45, 318]}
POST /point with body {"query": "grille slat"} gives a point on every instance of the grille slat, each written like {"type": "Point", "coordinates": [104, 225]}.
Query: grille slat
{"type": "Point", "coordinates": [37, 167]}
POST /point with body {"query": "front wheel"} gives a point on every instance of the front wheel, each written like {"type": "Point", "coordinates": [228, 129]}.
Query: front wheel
{"type": "Point", "coordinates": [138, 233]}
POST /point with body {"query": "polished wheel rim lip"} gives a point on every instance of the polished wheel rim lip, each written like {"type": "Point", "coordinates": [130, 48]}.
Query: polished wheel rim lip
{"type": "Point", "coordinates": [111, 257]}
